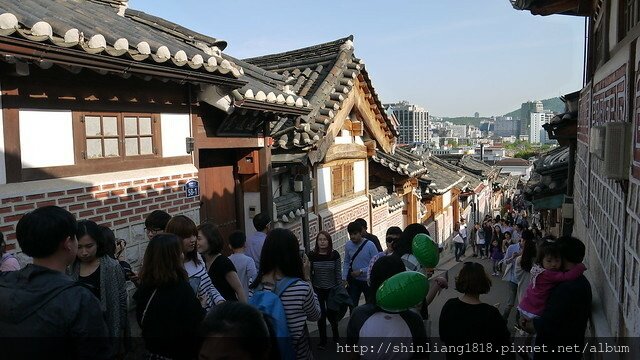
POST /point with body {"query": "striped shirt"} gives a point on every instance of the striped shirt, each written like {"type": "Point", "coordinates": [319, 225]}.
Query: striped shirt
{"type": "Point", "coordinates": [300, 305]}
{"type": "Point", "coordinates": [201, 283]}
{"type": "Point", "coordinates": [325, 270]}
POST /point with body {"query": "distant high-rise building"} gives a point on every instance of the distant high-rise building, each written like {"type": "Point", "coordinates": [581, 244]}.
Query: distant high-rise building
{"type": "Point", "coordinates": [477, 115]}
{"type": "Point", "coordinates": [414, 122]}
{"type": "Point", "coordinates": [525, 117]}
{"type": "Point", "coordinates": [537, 120]}
{"type": "Point", "coordinates": [506, 126]}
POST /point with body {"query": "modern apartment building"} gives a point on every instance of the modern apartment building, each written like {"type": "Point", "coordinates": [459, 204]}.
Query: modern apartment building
{"type": "Point", "coordinates": [414, 122]}
{"type": "Point", "coordinates": [537, 120]}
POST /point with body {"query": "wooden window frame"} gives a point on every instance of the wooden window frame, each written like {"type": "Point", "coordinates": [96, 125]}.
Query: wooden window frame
{"type": "Point", "coordinates": [16, 174]}
{"type": "Point", "coordinates": [346, 182]}
{"type": "Point", "coordinates": [80, 137]}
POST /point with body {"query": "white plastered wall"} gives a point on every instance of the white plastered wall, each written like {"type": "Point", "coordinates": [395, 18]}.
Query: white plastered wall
{"type": "Point", "coordinates": [175, 128]}
{"type": "Point", "coordinates": [46, 138]}
{"type": "Point", "coordinates": [324, 185]}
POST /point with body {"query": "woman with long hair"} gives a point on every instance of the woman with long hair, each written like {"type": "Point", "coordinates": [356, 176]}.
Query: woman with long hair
{"type": "Point", "coordinates": [325, 274]}
{"type": "Point", "coordinates": [187, 232]}
{"type": "Point", "coordinates": [167, 311]}
{"type": "Point", "coordinates": [220, 269]}
{"type": "Point", "coordinates": [280, 263]}
{"type": "Point", "coordinates": [525, 262]}
{"type": "Point", "coordinates": [103, 275]}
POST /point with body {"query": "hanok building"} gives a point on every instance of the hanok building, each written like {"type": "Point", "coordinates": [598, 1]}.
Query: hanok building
{"type": "Point", "coordinates": [478, 193]}
{"type": "Point", "coordinates": [100, 106]}
{"type": "Point", "coordinates": [319, 160]}
{"type": "Point", "coordinates": [607, 178]}
{"type": "Point", "coordinates": [547, 187]}
{"type": "Point", "coordinates": [440, 198]}
{"type": "Point", "coordinates": [395, 175]}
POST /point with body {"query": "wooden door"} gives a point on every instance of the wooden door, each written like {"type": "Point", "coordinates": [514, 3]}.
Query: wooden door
{"type": "Point", "coordinates": [218, 195]}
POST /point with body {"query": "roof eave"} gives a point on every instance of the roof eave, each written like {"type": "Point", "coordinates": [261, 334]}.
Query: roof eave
{"type": "Point", "coordinates": [36, 52]}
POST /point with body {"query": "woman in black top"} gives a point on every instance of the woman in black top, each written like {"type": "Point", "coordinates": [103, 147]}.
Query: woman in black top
{"type": "Point", "coordinates": [167, 310]}
{"type": "Point", "coordinates": [105, 278]}
{"type": "Point", "coordinates": [325, 274]}
{"type": "Point", "coordinates": [221, 270]}
{"type": "Point", "coordinates": [467, 320]}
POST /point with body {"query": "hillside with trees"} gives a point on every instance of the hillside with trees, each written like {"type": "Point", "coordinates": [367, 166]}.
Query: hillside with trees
{"type": "Point", "coordinates": [554, 104]}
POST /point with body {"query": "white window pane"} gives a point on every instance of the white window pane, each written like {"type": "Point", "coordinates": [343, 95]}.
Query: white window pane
{"type": "Point", "coordinates": [94, 148]}
{"type": "Point", "coordinates": [92, 125]}
{"type": "Point", "coordinates": [145, 125]}
{"type": "Point", "coordinates": [110, 126]}
{"type": "Point", "coordinates": [131, 146]}
{"type": "Point", "coordinates": [146, 146]}
{"type": "Point", "coordinates": [111, 148]}
{"type": "Point", "coordinates": [130, 126]}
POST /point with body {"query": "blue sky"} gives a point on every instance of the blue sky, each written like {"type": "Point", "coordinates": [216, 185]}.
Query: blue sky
{"type": "Point", "coordinates": [452, 57]}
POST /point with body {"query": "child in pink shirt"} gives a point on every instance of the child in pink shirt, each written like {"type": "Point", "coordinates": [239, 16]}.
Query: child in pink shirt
{"type": "Point", "coordinates": [545, 275]}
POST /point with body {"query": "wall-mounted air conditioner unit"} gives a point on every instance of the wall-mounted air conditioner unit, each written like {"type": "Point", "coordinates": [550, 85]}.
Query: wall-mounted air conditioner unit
{"type": "Point", "coordinates": [617, 150]}
{"type": "Point", "coordinates": [596, 141]}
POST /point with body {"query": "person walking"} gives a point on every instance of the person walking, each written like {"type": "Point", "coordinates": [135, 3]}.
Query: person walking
{"type": "Point", "coordinates": [358, 254]}
{"type": "Point", "coordinates": [220, 269]}
{"type": "Point", "coordinates": [103, 275]}
{"type": "Point", "coordinates": [510, 275]}
{"type": "Point", "coordinates": [325, 275]}
{"type": "Point", "coordinates": [568, 307]}
{"type": "Point", "coordinates": [365, 235]}
{"type": "Point", "coordinates": [254, 243]}
{"type": "Point", "coordinates": [466, 320]}
{"type": "Point", "coordinates": [167, 311]}
{"type": "Point", "coordinates": [280, 261]}
{"type": "Point", "coordinates": [479, 237]}
{"type": "Point", "coordinates": [245, 266]}
{"type": "Point", "coordinates": [8, 262]}
{"type": "Point", "coordinates": [41, 301]}
{"type": "Point", "coordinates": [187, 232]}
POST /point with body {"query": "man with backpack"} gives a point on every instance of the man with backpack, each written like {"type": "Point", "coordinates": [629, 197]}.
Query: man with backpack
{"type": "Point", "coordinates": [41, 302]}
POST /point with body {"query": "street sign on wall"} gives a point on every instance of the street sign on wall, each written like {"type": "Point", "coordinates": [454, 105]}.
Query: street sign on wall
{"type": "Point", "coordinates": [192, 188]}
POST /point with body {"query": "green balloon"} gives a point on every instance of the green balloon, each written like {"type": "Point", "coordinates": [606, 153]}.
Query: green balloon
{"type": "Point", "coordinates": [402, 291]}
{"type": "Point", "coordinates": [425, 250]}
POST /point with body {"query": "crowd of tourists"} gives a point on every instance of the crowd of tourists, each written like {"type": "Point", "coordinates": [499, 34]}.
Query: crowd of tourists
{"type": "Point", "coordinates": [194, 301]}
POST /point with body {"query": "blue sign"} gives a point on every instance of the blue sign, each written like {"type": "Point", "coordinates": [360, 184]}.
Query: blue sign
{"type": "Point", "coordinates": [192, 188]}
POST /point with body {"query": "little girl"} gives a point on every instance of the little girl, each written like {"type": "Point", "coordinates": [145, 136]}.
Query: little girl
{"type": "Point", "coordinates": [496, 256]}
{"type": "Point", "coordinates": [545, 275]}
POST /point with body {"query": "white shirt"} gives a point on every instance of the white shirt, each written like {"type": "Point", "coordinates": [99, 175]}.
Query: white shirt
{"type": "Point", "coordinates": [253, 247]}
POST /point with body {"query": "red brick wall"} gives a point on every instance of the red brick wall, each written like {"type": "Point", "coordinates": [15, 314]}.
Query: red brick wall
{"type": "Point", "coordinates": [115, 204]}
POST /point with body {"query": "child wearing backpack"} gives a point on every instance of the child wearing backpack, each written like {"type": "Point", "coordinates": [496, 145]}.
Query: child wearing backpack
{"type": "Point", "coordinates": [283, 295]}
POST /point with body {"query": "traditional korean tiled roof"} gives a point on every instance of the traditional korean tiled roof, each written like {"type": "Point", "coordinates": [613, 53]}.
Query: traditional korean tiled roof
{"type": "Point", "coordinates": [401, 161]}
{"type": "Point", "coordinates": [288, 207]}
{"type": "Point", "coordinates": [396, 202]}
{"type": "Point", "coordinates": [513, 162]}
{"type": "Point", "coordinates": [379, 196]}
{"type": "Point", "coordinates": [109, 28]}
{"type": "Point", "coordinates": [470, 164]}
{"type": "Point", "coordinates": [441, 175]}
{"type": "Point", "coordinates": [324, 75]}
{"type": "Point", "coordinates": [549, 176]}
